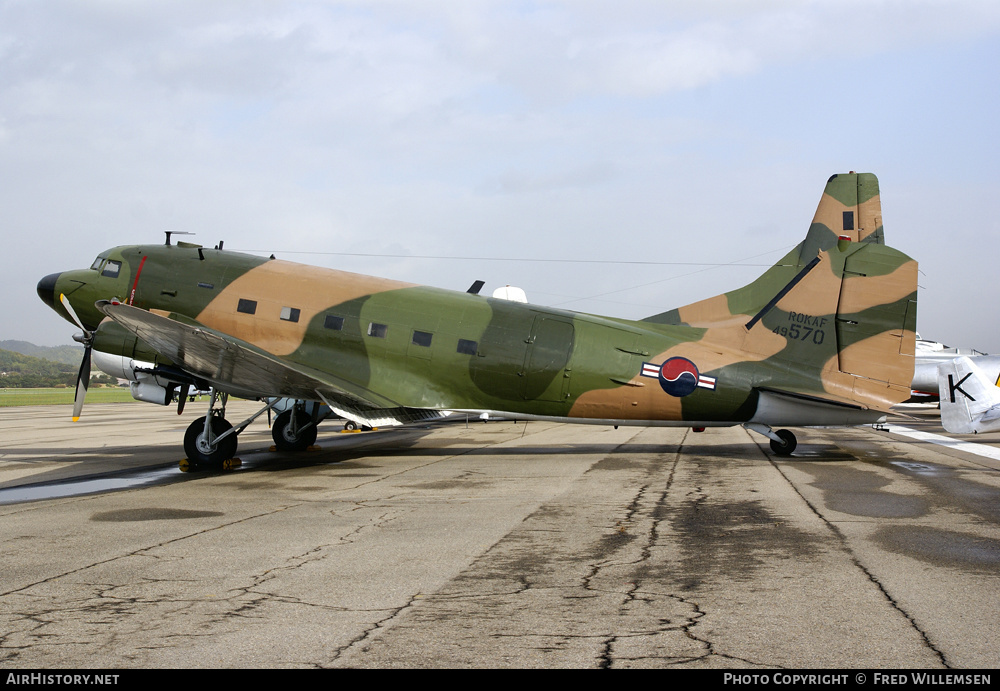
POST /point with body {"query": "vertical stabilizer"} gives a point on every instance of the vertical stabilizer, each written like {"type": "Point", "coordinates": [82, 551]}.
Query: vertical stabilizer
{"type": "Point", "coordinates": [850, 211]}
{"type": "Point", "coordinates": [850, 208]}
{"type": "Point", "coordinates": [836, 316]}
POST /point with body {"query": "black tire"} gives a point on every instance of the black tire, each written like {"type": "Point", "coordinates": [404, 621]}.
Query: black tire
{"type": "Point", "coordinates": [213, 458]}
{"type": "Point", "coordinates": [350, 425]}
{"type": "Point", "coordinates": [281, 431]}
{"type": "Point", "coordinates": [786, 448]}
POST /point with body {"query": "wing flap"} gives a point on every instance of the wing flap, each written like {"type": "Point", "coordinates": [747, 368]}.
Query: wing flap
{"type": "Point", "coordinates": [386, 417]}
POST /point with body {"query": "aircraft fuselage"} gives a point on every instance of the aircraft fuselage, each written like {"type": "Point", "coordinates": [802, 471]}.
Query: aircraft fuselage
{"type": "Point", "coordinates": [418, 346]}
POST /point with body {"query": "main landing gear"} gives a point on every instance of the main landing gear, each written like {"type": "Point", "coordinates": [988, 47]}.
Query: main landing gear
{"type": "Point", "coordinates": [783, 442]}
{"type": "Point", "coordinates": [213, 447]}
{"type": "Point", "coordinates": [210, 441]}
{"type": "Point", "coordinates": [294, 430]}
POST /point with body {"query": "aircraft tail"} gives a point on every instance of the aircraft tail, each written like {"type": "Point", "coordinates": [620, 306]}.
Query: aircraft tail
{"type": "Point", "coordinates": [838, 309]}
{"type": "Point", "coordinates": [970, 401]}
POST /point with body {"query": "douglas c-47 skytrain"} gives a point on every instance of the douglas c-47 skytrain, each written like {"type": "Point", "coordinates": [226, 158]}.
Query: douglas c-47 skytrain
{"type": "Point", "coordinates": [825, 337]}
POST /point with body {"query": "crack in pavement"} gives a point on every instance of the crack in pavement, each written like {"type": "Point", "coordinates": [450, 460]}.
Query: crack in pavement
{"type": "Point", "coordinates": [859, 564]}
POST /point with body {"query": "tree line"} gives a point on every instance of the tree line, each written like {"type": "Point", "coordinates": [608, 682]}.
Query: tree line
{"type": "Point", "coordinates": [19, 371]}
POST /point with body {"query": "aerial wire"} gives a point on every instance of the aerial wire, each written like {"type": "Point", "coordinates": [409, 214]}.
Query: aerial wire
{"type": "Point", "coordinates": [510, 259]}
{"type": "Point", "coordinates": [707, 266]}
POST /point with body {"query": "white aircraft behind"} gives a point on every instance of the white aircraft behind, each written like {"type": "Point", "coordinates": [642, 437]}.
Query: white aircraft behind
{"type": "Point", "coordinates": [930, 355]}
{"type": "Point", "coordinates": [970, 400]}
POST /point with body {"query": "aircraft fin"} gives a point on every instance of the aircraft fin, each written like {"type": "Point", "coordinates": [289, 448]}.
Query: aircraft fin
{"type": "Point", "coordinates": [850, 208]}
{"type": "Point", "coordinates": [970, 401]}
{"type": "Point", "coordinates": [838, 309]}
{"type": "Point", "coordinates": [850, 211]}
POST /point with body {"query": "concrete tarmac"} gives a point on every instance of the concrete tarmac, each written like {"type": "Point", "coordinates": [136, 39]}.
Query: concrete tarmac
{"type": "Point", "coordinates": [494, 545]}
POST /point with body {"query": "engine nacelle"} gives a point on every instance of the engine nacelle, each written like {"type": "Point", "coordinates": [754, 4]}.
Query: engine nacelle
{"type": "Point", "coordinates": [143, 383]}
{"type": "Point", "coordinates": [112, 339]}
{"type": "Point", "coordinates": [119, 366]}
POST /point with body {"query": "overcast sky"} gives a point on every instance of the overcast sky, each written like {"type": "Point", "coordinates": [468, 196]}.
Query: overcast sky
{"type": "Point", "coordinates": [690, 134]}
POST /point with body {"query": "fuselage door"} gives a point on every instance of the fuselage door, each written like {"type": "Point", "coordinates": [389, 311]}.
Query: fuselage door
{"type": "Point", "coordinates": [546, 363]}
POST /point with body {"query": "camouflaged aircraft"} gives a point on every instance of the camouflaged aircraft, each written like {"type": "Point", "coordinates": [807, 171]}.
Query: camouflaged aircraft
{"type": "Point", "coordinates": [825, 337]}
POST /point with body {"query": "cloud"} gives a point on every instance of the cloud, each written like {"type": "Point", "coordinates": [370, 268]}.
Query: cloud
{"type": "Point", "coordinates": [562, 128]}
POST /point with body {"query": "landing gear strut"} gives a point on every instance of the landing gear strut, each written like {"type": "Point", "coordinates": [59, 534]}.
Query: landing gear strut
{"type": "Point", "coordinates": [211, 440]}
{"type": "Point", "coordinates": [208, 449]}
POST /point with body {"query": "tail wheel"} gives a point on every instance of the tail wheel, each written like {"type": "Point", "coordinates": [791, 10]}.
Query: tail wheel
{"type": "Point", "coordinates": [213, 454]}
{"type": "Point", "coordinates": [787, 444]}
{"type": "Point", "coordinates": [297, 437]}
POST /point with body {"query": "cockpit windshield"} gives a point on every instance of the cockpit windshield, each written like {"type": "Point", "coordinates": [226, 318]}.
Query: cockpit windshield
{"type": "Point", "coordinates": [107, 267]}
{"type": "Point", "coordinates": [112, 269]}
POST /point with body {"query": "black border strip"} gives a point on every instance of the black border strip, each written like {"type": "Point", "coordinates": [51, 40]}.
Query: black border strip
{"type": "Point", "coordinates": [784, 291]}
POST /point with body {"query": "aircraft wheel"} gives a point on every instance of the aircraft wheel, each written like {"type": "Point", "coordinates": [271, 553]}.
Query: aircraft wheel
{"type": "Point", "coordinates": [201, 454]}
{"type": "Point", "coordinates": [786, 448]}
{"type": "Point", "coordinates": [350, 425]}
{"type": "Point", "coordinates": [283, 436]}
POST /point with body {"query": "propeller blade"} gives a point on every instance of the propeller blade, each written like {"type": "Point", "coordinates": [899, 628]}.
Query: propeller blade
{"type": "Point", "coordinates": [183, 397]}
{"type": "Point", "coordinates": [72, 312]}
{"type": "Point", "coordinates": [82, 382]}
{"type": "Point", "coordinates": [83, 378]}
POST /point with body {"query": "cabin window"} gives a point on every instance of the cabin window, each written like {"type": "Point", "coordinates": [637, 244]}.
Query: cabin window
{"type": "Point", "coordinates": [247, 306]}
{"type": "Point", "coordinates": [334, 322]}
{"type": "Point", "coordinates": [377, 330]}
{"type": "Point", "coordinates": [422, 338]}
{"type": "Point", "coordinates": [111, 269]}
{"type": "Point", "coordinates": [290, 314]}
{"type": "Point", "coordinates": [467, 347]}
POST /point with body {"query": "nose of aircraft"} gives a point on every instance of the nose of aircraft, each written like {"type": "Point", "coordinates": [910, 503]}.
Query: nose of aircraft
{"type": "Point", "coordinates": [47, 290]}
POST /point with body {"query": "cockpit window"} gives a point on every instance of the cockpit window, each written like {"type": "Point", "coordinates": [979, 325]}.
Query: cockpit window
{"type": "Point", "coordinates": [96, 266]}
{"type": "Point", "coordinates": [111, 269]}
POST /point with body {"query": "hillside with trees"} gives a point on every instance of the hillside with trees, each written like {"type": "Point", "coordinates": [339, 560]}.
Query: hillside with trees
{"type": "Point", "coordinates": [18, 371]}
{"type": "Point", "coordinates": [66, 354]}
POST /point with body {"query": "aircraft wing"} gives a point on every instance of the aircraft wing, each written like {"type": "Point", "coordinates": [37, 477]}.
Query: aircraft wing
{"type": "Point", "coordinates": [242, 369]}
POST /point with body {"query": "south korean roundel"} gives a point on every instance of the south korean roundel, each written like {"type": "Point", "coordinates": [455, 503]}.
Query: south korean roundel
{"type": "Point", "coordinates": [678, 376]}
